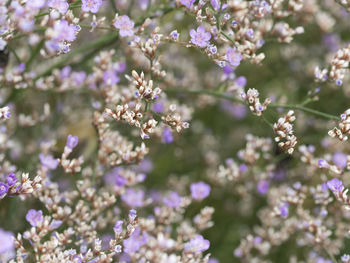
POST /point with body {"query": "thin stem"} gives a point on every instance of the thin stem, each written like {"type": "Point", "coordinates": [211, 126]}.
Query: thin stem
{"type": "Point", "coordinates": [272, 105]}
{"type": "Point", "coordinates": [14, 53]}
{"type": "Point", "coordinates": [34, 53]}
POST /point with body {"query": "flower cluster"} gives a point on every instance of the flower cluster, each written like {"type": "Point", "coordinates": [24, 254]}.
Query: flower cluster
{"type": "Point", "coordinates": [284, 130]}
{"type": "Point", "coordinates": [253, 101]}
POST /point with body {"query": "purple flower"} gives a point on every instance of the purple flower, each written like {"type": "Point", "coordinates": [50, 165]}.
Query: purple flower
{"type": "Point", "coordinates": [158, 107]}
{"type": "Point", "coordinates": [35, 217]}
{"type": "Point", "coordinates": [340, 159]}
{"type": "Point", "coordinates": [143, 4]}
{"type": "Point", "coordinates": [118, 227]}
{"type": "Point", "coordinates": [233, 57]}
{"type": "Point", "coordinates": [132, 214]}
{"type": "Point", "coordinates": [55, 224]}
{"type": "Point", "coordinates": [335, 185]}
{"type": "Point", "coordinates": [6, 241]}
{"type": "Point", "coordinates": [200, 37]}
{"type": "Point", "coordinates": [125, 26]}
{"type": "Point", "coordinates": [35, 4]}
{"type": "Point", "coordinates": [197, 244]}
{"type": "Point", "coordinates": [60, 5]}
{"type": "Point", "coordinates": [64, 31]}
{"type": "Point", "coordinates": [11, 179]}
{"type": "Point", "coordinates": [48, 161]}
{"type": "Point", "coordinates": [135, 241]}
{"type": "Point", "coordinates": [3, 189]}
{"type": "Point", "coordinates": [167, 136]}
{"type": "Point", "coordinates": [215, 4]}
{"type": "Point", "coordinates": [199, 190]}
{"type": "Point", "coordinates": [78, 78]}
{"type": "Point", "coordinates": [173, 200]}
{"type": "Point", "coordinates": [120, 180]}
{"type": "Point", "coordinates": [187, 3]}
{"type": "Point", "coordinates": [323, 164]}
{"type": "Point", "coordinates": [263, 187]}
{"type": "Point", "coordinates": [91, 5]}
{"type": "Point", "coordinates": [241, 81]}
{"type": "Point", "coordinates": [110, 77]}
{"type": "Point", "coordinates": [133, 198]}
{"type": "Point", "coordinates": [121, 67]}
{"type": "Point", "coordinates": [72, 141]}
{"type": "Point", "coordinates": [284, 209]}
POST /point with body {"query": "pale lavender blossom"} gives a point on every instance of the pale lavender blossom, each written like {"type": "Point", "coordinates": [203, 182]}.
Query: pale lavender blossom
{"type": "Point", "coordinates": [215, 4]}
{"type": "Point", "coordinates": [340, 159]}
{"type": "Point", "coordinates": [133, 198]}
{"type": "Point", "coordinates": [60, 5]}
{"type": "Point", "coordinates": [199, 190]}
{"type": "Point", "coordinates": [72, 141]}
{"type": "Point", "coordinates": [125, 26]}
{"type": "Point", "coordinates": [132, 214]}
{"type": "Point", "coordinates": [200, 37]}
{"type": "Point", "coordinates": [118, 227]}
{"type": "Point", "coordinates": [167, 136]}
{"type": "Point", "coordinates": [143, 4]}
{"type": "Point", "coordinates": [91, 5]}
{"type": "Point", "coordinates": [284, 210]}
{"type": "Point", "coordinates": [35, 4]}
{"type": "Point", "coordinates": [197, 244]}
{"type": "Point", "coordinates": [158, 107]}
{"type": "Point", "coordinates": [187, 3]}
{"type": "Point", "coordinates": [135, 241]}
{"type": "Point", "coordinates": [64, 31]}
{"type": "Point", "coordinates": [11, 179]}
{"type": "Point", "coordinates": [120, 180]}
{"type": "Point", "coordinates": [233, 57]}
{"type": "Point", "coordinates": [55, 224]}
{"type": "Point", "coordinates": [3, 189]}
{"type": "Point", "coordinates": [48, 161]}
{"type": "Point", "coordinates": [172, 200]}
{"type": "Point", "coordinates": [110, 77]}
{"type": "Point", "coordinates": [6, 241]}
{"type": "Point", "coordinates": [263, 186]}
{"type": "Point", "coordinates": [335, 185]}
{"type": "Point", "coordinates": [241, 81]}
{"type": "Point", "coordinates": [35, 217]}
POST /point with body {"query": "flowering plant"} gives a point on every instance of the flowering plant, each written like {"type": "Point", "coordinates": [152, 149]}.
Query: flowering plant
{"type": "Point", "coordinates": [174, 131]}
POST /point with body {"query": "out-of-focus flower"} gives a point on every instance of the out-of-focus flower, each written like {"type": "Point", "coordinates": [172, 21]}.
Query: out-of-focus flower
{"type": "Point", "coordinates": [6, 241]}
{"type": "Point", "coordinates": [60, 5]}
{"type": "Point", "coordinates": [215, 4]}
{"type": "Point", "coordinates": [340, 159]}
{"type": "Point", "coordinates": [110, 77]}
{"type": "Point", "coordinates": [48, 161]}
{"type": "Point", "coordinates": [199, 190]}
{"type": "Point", "coordinates": [133, 198]}
{"type": "Point", "coordinates": [263, 186]}
{"type": "Point", "coordinates": [167, 136]}
{"type": "Point", "coordinates": [197, 244]}
{"type": "Point", "coordinates": [125, 26]}
{"type": "Point", "coordinates": [172, 200]}
{"type": "Point", "coordinates": [233, 57]}
{"type": "Point", "coordinates": [335, 185]}
{"type": "Point", "coordinates": [91, 5]}
{"type": "Point", "coordinates": [118, 227]}
{"type": "Point", "coordinates": [72, 141]}
{"type": "Point", "coordinates": [135, 241]}
{"type": "Point", "coordinates": [35, 217]}
{"type": "Point", "coordinates": [3, 189]}
{"type": "Point", "coordinates": [187, 3]}
{"type": "Point", "coordinates": [11, 179]}
{"type": "Point", "coordinates": [284, 209]}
